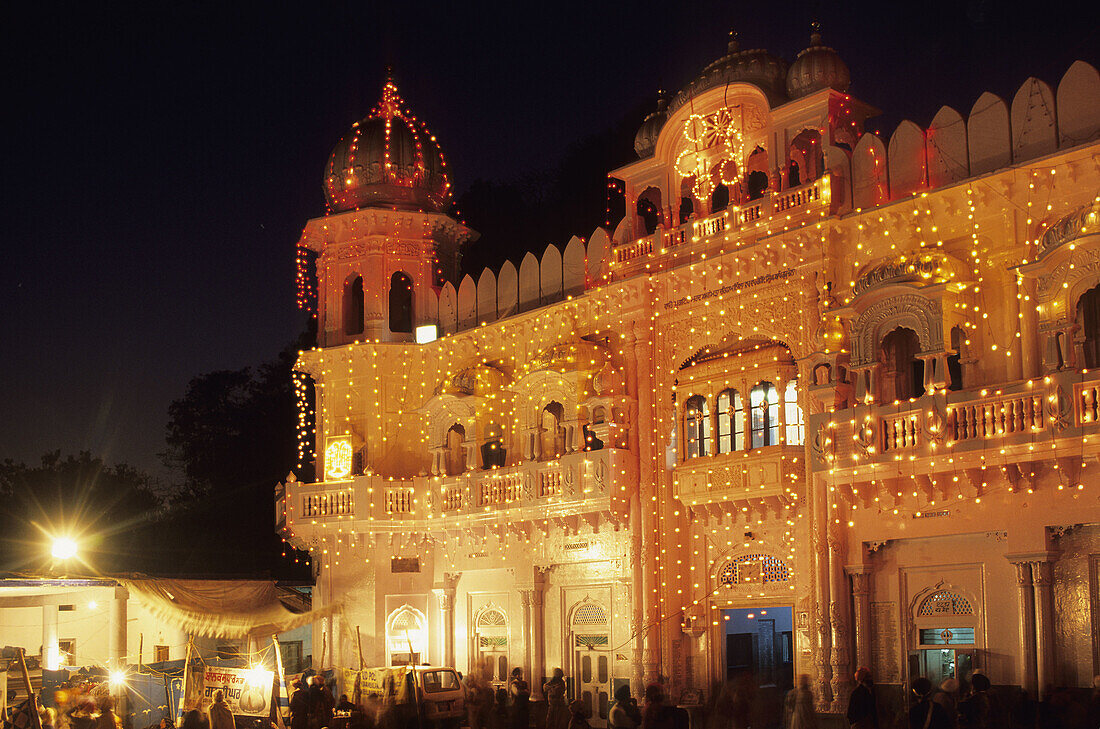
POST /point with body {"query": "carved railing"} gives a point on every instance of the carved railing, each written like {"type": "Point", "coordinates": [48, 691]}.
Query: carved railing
{"type": "Point", "coordinates": [328, 503]}
{"type": "Point", "coordinates": [400, 500]}
{"type": "Point", "coordinates": [733, 218]}
{"type": "Point", "coordinates": [760, 473]}
{"type": "Point", "coordinates": [504, 489]}
{"type": "Point", "coordinates": [451, 498]}
{"type": "Point", "coordinates": [1086, 398]}
{"type": "Point", "coordinates": [901, 431]}
{"type": "Point", "coordinates": [996, 415]}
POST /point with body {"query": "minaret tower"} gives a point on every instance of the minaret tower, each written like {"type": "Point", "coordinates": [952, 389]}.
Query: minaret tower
{"type": "Point", "coordinates": [386, 243]}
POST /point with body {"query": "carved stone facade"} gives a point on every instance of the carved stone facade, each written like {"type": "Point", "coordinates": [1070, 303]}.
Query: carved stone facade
{"type": "Point", "coordinates": [604, 460]}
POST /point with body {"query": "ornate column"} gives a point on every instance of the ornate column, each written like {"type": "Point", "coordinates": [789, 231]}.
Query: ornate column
{"type": "Point", "coordinates": [637, 566]}
{"type": "Point", "coordinates": [445, 594]}
{"type": "Point", "coordinates": [643, 361]}
{"type": "Point", "coordinates": [526, 597]}
{"type": "Point", "coordinates": [1044, 627]}
{"type": "Point", "coordinates": [538, 632]}
{"type": "Point", "coordinates": [1029, 330]}
{"type": "Point", "coordinates": [860, 575]}
{"type": "Point", "coordinates": [1026, 598]}
{"type": "Point", "coordinates": [839, 659]}
{"type": "Point", "coordinates": [821, 587]}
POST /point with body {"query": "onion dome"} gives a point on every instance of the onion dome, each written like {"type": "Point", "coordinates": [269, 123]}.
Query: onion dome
{"type": "Point", "coordinates": [817, 67]}
{"type": "Point", "coordinates": [645, 141]}
{"type": "Point", "coordinates": [389, 159]}
{"type": "Point", "coordinates": [756, 67]}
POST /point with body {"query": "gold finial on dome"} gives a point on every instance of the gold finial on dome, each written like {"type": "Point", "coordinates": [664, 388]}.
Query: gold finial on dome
{"type": "Point", "coordinates": [815, 33]}
{"type": "Point", "coordinates": [734, 44]}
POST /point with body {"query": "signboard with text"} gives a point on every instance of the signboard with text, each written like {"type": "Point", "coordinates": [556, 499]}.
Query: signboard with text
{"type": "Point", "coordinates": [247, 691]}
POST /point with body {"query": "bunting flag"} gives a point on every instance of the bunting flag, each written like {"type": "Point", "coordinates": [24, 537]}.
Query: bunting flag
{"type": "Point", "coordinates": [281, 701]}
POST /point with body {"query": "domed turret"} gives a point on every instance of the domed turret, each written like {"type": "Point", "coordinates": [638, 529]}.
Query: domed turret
{"type": "Point", "coordinates": [646, 139]}
{"type": "Point", "coordinates": [389, 159]}
{"type": "Point", "coordinates": [756, 67]}
{"type": "Point", "coordinates": [817, 67]}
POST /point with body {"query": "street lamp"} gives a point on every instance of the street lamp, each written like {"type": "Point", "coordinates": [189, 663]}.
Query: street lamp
{"type": "Point", "coordinates": [64, 548]}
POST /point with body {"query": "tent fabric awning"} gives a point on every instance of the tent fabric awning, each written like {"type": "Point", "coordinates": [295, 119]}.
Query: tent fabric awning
{"type": "Point", "coordinates": [221, 608]}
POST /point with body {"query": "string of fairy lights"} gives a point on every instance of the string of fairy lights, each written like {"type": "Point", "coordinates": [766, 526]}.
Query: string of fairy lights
{"type": "Point", "coordinates": [380, 395]}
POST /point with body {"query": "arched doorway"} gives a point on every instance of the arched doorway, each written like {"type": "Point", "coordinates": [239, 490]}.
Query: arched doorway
{"type": "Point", "coordinates": [491, 644]}
{"type": "Point", "coordinates": [401, 303]}
{"type": "Point", "coordinates": [902, 371]}
{"type": "Point", "coordinates": [406, 636]}
{"type": "Point", "coordinates": [591, 648]}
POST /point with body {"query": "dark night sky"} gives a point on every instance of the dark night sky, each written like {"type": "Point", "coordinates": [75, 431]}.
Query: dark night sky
{"type": "Point", "coordinates": [161, 159]}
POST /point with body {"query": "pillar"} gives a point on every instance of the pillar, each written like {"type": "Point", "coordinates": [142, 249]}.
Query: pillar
{"type": "Point", "coordinates": [1044, 627]}
{"type": "Point", "coordinates": [526, 597]}
{"type": "Point", "coordinates": [116, 634]}
{"type": "Point", "coordinates": [643, 361]}
{"type": "Point", "coordinates": [860, 576]}
{"type": "Point", "coordinates": [538, 632]}
{"type": "Point", "coordinates": [1026, 601]}
{"type": "Point", "coordinates": [839, 658]}
{"type": "Point", "coordinates": [51, 654]}
{"type": "Point", "coordinates": [821, 587]}
{"type": "Point", "coordinates": [445, 595]}
{"type": "Point", "coordinates": [1029, 330]}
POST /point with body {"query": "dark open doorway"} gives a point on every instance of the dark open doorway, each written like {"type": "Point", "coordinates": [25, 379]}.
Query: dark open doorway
{"type": "Point", "coordinates": [760, 653]}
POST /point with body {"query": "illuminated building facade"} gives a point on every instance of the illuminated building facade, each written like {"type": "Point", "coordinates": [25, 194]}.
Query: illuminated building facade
{"type": "Point", "coordinates": [821, 399]}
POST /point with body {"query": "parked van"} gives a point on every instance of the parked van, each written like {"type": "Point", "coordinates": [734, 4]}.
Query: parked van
{"type": "Point", "coordinates": [438, 691]}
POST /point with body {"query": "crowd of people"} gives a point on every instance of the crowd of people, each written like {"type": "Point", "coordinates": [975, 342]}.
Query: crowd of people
{"type": "Point", "coordinates": [953, 704]}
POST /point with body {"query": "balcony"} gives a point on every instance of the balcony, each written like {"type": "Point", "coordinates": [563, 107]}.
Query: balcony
{"type": "Point", "coordinates": [1017, 426]}
{"type": "Point", "coordinates": [774, 211]}
{"type": "Point", "coordinates": [586, 483]}
{"type": "Point", "coordinates": [577, 481]}
{"type": "Point", "coordinates": [762, 478]}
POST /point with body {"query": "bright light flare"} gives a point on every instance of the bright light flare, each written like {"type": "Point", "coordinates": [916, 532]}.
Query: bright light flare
{"type": "Point", "coordinates": [118, 679]}
{"type": "Point", "coordinates": [64, 548]}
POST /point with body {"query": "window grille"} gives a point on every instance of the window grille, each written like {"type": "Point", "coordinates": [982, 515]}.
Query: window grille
{"type": "Point", "coordinates": [945, 603]}
{"type": "Point", "coordinates": [590, 614]}
{"type": "Point", "coordinates": [765, 568]}
{"type": "Point", "coordinates": [491, 619]}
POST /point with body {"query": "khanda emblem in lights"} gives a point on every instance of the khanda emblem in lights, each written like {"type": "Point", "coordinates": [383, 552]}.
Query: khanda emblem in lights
{"type": "Point", "coordinates": [714, 149]}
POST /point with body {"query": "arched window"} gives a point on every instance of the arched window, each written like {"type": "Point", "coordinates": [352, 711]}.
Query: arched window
{"type": "Point", "coordinates": [805, 157]}
{"type": "Point", "coordinates": [731, 422]}
{"type": "Point", "coordinates": [353, 306]}
{"type": "Point", "coordinates": [553, 430]}
{"type": "Point", "coordinates": [792, 414]}
{"type": "Point", "coordinates": [697, 426]}
{"type": "Point", "coordinates": [401, 303]}
{"type": "Point", "coordinates": [456, 451]}
{"type": "Point", "coordinates": [493, 454]}
{"type": "Point", "coordinates": [1088, 319]}
{"type": "Point", "coordinates": [649, 209]}
{"type": "Point", "coordinates": [720, 198]}
{"type": "Point", "coordinates": [902, 372]}
{"type": "Point", "coordinates": [757, 184]}
{"type": "Point", "coordinates": [764, 401]}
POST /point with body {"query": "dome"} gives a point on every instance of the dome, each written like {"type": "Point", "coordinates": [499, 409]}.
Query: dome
{"type": "Point", "coordinates": [756, 67]}
{"type": "Point", "coordinates": [817, 67]}
{"type": "Point", "coordinates": [646, 139]}
{"type": "Point", "coordinates": [389, 159]}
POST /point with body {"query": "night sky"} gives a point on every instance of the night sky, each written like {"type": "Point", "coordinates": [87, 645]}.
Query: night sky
{"type": "Point", "coordinates": [161, 159]}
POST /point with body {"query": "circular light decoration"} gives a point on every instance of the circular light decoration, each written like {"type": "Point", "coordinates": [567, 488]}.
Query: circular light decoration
{"type": "Point", "coordinates": [338, 459]}
{"type": "Point", "coordinates": [710, 136]}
